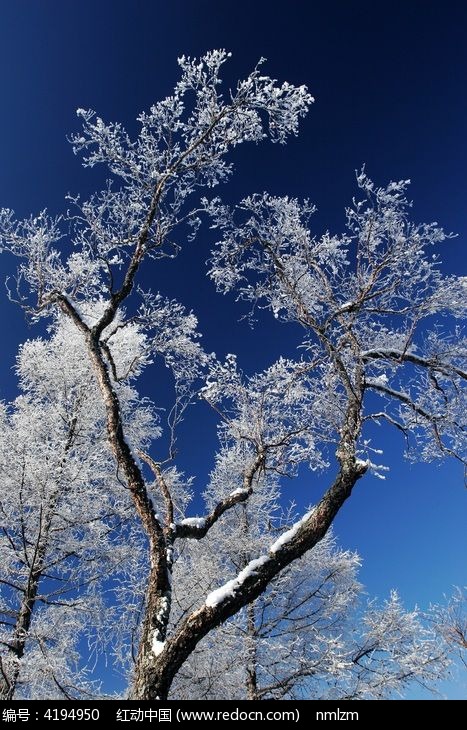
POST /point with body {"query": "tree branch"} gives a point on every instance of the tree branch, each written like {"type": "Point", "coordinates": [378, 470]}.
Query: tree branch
{"type": "Point", "coordinates": [197, 527]}
{"type": "Point", "coordinates": [252, 581]}
{"type": "Point", "coordinates": [403, 356]}
{"type": "Point", "coordinates": [156, 470]}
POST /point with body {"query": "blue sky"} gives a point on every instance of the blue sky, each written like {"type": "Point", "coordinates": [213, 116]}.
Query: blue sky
{"type": "Point", "coordinates": [389, 81]}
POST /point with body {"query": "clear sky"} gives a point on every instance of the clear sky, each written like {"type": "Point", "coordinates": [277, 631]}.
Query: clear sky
{"type": "Point", "coordinates": [390, 86]}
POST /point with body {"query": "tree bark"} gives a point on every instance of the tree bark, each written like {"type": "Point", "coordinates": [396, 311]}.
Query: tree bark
{"type": "Point", "coordinates": [251, 672]}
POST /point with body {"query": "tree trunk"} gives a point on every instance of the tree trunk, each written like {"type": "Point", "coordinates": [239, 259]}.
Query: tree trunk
{"type": "Point", "coordinates": [158, 603]}
{"type": "Point", "coordinates": [17, 645]}
{"type": "Point", "coordinates": [251, 639]}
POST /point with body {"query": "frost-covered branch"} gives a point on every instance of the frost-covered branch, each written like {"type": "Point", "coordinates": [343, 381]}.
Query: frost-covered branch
{"type": "Point", "coordinates": [450, 621]}
{"type": "Point", "coordinates": [252, 581]}
{"type": "Point", "coordinates": [197, 527]}
{"type": "Point", "coordinates": [365, 301]}
{"type": "Point", "coordinates": [434, 363]}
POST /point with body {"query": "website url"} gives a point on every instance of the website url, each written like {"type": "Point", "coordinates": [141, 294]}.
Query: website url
{"type": "Point", "coordinates": [235, 715]}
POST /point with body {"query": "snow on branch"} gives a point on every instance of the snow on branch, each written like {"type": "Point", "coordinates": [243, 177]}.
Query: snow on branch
{"type": "Point", "coordinates": [293, 543]}
{"type": "Point", "coordinates": [229, 589]}
{"type": "Point", "coordinates": [197, 527]}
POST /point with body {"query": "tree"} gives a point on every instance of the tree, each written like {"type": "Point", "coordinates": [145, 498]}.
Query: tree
{"type": "Point", "coordinates": [365, 301]}
{"type": "Point", "coordinates": [451, 622]}
{"type": "Point", "coordinates": [64, 517]}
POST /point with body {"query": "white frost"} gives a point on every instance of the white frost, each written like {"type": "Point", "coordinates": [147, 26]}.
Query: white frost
{"type": "Point", "coordinates": [239, 490]}
{"type": "Point", "coordinates": [290, 534]}
{"type": "Point", "coordinates": [380, 380]}
{"type": "Point", "coordinates": [157, 646]}
{"type": "Point", "coordinates": [199, 522]}
{"type": "Point", "coordinates": [228, 589]}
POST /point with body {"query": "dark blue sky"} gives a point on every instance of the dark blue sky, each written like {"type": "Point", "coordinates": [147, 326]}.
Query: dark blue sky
{"type": "Point", "coordinates": [390, 86]}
